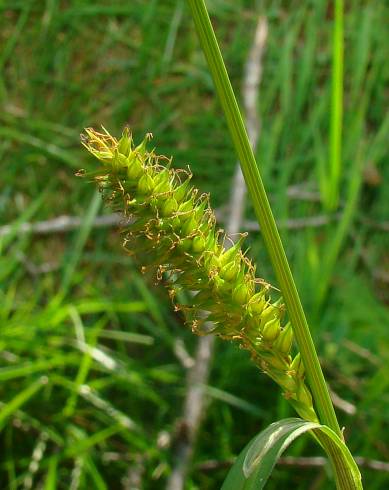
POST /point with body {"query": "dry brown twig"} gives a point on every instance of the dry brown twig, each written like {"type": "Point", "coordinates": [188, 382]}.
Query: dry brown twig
{"type": "Point", "coordinates": [63, 224]}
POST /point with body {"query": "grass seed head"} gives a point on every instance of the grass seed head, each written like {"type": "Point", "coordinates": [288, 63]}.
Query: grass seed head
{"type": "Point", "coordinates": [172, 229]}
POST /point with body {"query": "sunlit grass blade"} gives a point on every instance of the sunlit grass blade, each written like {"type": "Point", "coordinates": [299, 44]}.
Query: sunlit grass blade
{"type": "Point", "coordinates": [335, 147]}
{"type": "Point", "coordinates": [52, 474]}
{"type": "Point", "coordinates": [30, 367]}
{"type": "Point", "coordinates": [74, 256]}
{"type": "Point", "coordinates": [98, 481]}
{"type": "Point", "coordinates": [255, 464]}
{"type": "Point", "coordinates": [84, 444]}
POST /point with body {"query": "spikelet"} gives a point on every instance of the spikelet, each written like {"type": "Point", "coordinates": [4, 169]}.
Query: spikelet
{"type": "Point", "coordinates": [173, 232]}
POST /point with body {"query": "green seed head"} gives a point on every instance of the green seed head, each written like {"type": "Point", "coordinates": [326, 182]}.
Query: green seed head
{"type": "Point", "coordinates": [172, 229]}
{"type": "Point", "coordinates": [176, 223]}
{"type": "Point", "coordinates": [230, 254]}
{"type": "Point", "coordinates": [288, 383]}
{"type": "Point", "coordinates": [278, 363]}
{"type": "Point", "coordinates": [212, 263]}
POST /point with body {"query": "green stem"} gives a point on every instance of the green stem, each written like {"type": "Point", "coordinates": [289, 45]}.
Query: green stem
{"type": "Point", "coordinates": [336, 108]}
{"type": "Point", "coordinates": [264, 214]}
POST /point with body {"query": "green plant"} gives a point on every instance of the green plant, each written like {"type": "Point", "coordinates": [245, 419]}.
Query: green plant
{"type": "Point", "coordinates": [50, 89]}
{"type": "Point", "coordinates": [172, 230]}
{"type": "Point", "coordinates": [330, 183]}
{"type": "Point", "coordinates": [177, 230]}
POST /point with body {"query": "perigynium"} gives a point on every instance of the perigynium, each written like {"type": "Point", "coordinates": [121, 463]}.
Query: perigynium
{"type": "Point", "coordinates": [171, 229]}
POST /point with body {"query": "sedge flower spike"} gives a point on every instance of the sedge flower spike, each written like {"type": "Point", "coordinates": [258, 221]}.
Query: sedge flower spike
{"type": "Point", "coordinates": [172, 230]}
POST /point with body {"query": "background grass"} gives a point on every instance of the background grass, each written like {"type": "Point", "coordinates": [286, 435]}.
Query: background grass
{"type": "Point", "coordinates": [91, 387]}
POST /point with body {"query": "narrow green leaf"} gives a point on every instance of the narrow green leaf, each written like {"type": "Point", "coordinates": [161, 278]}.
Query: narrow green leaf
{"type": "Point", "coordinates": [51, 478]}
{"type": "Point", "coordinates": [88, 443]}
{"type": "Point", "coordinates": [20, 399]}
{"type": "Point", "coordinates": [268, 446]}
{"type": "Point", "coordinates": [45, 147]}
{"type": "Point", "coordinates": [26, 368]}
{"type": "Point", "coordinates": [234, 401]}
{"type": "Point", "coordinates": [131, 337]}
{"type": "Point", "coordinates": [335, 151]}
{"type": "Point", "coordinates": [71, 260]}
{"type": "Point", "coordinates": [11, 230]}
{"type": "Point", "coordinates": [254, 465]}
{"type": "Point", "coordinates": [98, 481]}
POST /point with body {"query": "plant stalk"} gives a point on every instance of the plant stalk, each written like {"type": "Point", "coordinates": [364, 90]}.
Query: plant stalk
{"type": "Point", "coordinates": [264, 214]}
{"type": "Point", "coordinates": [335, 166]}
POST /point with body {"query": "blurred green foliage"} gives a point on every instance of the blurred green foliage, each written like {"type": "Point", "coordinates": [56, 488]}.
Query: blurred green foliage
{"type": "Point", "coordinates": [90, 381]}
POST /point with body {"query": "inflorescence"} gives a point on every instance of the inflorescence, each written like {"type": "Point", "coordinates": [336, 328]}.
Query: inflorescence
{"type": "Point", "coordinates": [172, 230]}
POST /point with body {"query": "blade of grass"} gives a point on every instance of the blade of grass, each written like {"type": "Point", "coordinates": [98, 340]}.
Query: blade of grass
{"type": "Point", "coordinates": [5, 240]}
{"type": "Point", "coordinates": [85, 364]}
{"type": "Point", "coordinates": [335, 244]}
{"type": "Point", "coordinates": [362, 50]}
{"type": "Point", "coordinates": [234, 401]}
{"type": "Point", "coordinates": [87, 443]}
{"type": "Point", "coordinates": [130, 337]}
{"type": "Point", "coordinates": [305, 72]}
{"type": "Point", "coordinates": [353, 152]}
{"type": "Point", "coordinates": [20, 399]}
{"type": "Point", "coordinates": [335, 164]}
{"type": "Point", "coordinates": [51, 478]}
{"type": "Point", "coordinates": [99, 483]}
{"type": "Point", "coordinates": [26, 368]}
{"type": "Point", "coordinates": [46, 147]}
{"type": "Point", "coordinates": [75, 255]}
